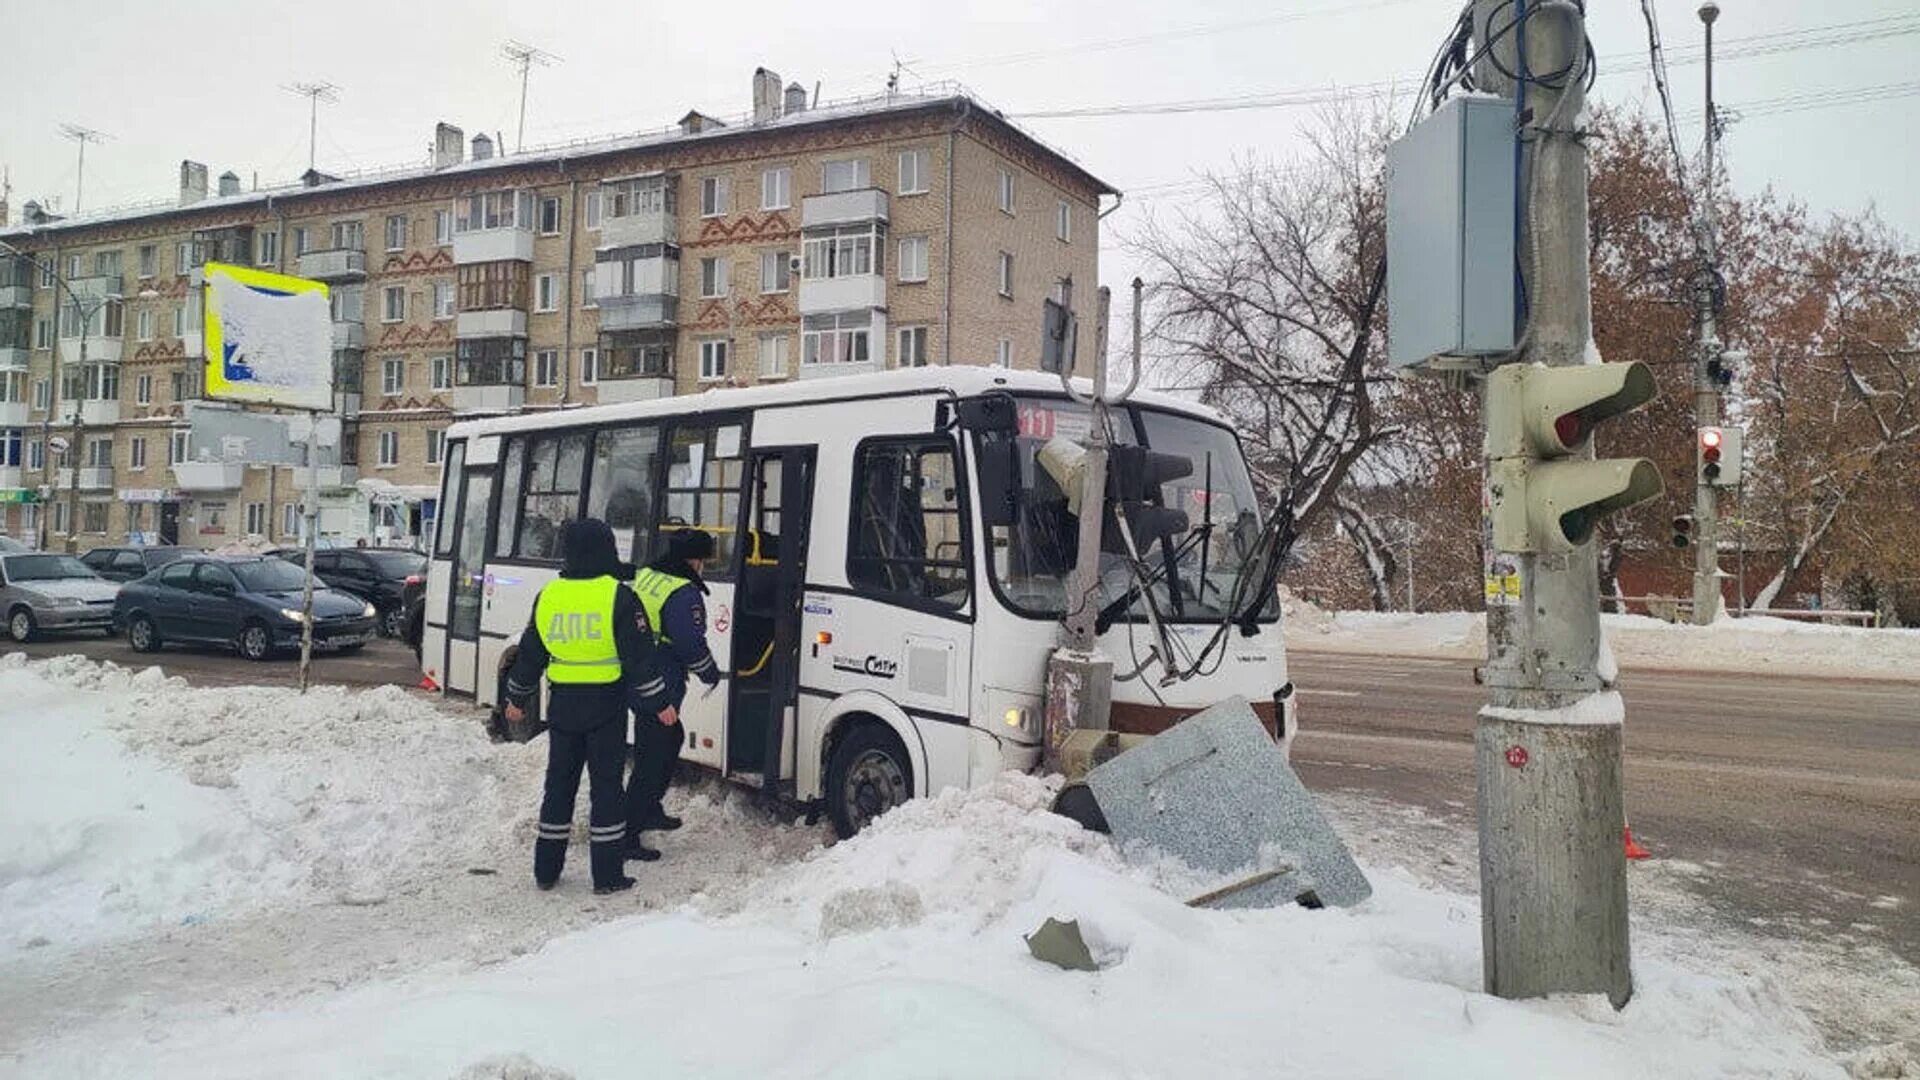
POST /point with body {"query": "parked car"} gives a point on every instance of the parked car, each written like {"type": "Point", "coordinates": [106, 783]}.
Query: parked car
{"type": "Point", "coordinates": [251, 603]}
{"type": "Point", "coordinates": [128, 563]}
{"type": "Point", "coordinates": [379, 575]}
{"type": "Point", "coordinates": [42, 591]}
{"type": "Point", "coordinates": [10, 546]}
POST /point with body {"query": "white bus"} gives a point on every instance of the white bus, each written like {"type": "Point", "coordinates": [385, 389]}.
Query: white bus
{"type": "Point", "coordinates": [891, 571]}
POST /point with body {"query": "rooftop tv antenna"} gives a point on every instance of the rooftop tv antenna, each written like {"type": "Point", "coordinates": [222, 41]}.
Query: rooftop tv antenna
{"type": "Point", "coordinates": [315, 93]}
{"type": "Point", "coordinates": [83, 136]}
{"type": "Point", "coordinates": [525, 57]}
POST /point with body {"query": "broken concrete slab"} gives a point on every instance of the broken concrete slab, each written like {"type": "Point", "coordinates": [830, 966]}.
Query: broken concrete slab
{"type": "Point", "coordinates": [1060, 944]}
{"type": "Point", "coordinates": [1216, 791]}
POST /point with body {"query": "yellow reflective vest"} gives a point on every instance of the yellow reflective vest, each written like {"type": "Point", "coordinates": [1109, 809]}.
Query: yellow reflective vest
{"type": "Point", "coordinates": [574, 618]}
{"type": "Point", "coordinates": [653, 587]}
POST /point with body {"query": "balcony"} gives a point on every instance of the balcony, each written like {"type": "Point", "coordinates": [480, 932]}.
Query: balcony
{"type": "Point", "coordinates": [13, 359]}
{"type": "Point", "coordinates": [192, 346]}
{"type": "Point", "coordinates": [16, 296]}
{"type": "Point", "coordinates": [92, 478]}
{"type": "Point", "coordinates": [209, 475]}
{"type": "Point", "coordinates": [349, 335]}
{"type": "Point", "coordinates": [94, 287]}
{"type": "Point", "coordinates": [100, 350]}
{"type": "Point", "coordinates": [494, 322]}
{"type": "Point", "coordinates": [640, 311]}
{"type": "Point", "coordinates": [334, 264]}
{"type": "Point", "coordinates": [331, 477]}
{"type": "Point", "coordinates": [12, 478]}
{"type": "Point", "coordinates": [511, 244]}
{"type": "Point", "coordinates": [852, 292]}
{"type": "Point", "coordinates": [13, 414]}
{"type": "Point", "coordinates": [93, 412]}
{"type": "Point", "coordinates": [637, 388]}
{"type": "Point", "coordinates": [645, 227]}
{"type": "Point", "coordinates": [488, 399]}
{"type": "Point", "coordinates": [346, 404]}
{"type": "Point", "coordinates": [843, 208]}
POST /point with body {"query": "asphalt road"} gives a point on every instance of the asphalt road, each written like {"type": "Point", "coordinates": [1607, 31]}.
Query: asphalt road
{"type": "Point", "coordinates": [1800, 796]}
{"type": "Point", "coordinates": [382, 661]}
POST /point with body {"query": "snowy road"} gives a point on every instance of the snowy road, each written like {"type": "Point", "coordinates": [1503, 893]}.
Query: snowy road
{"type": "Point", "coordinates": [1799, 797]}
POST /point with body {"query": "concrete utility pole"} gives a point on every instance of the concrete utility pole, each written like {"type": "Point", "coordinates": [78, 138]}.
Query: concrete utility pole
{"type": "Point", "coordinates": [1706, 391]}
{"type": "Point", "coordinates": [1552, 864]}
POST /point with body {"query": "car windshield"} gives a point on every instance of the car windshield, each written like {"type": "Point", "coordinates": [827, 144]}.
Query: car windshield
{"type": "Point", "coordinates": [1193, 570]}
{"type": "Point", "coordinates": [269, 575]}
{"type": "Point", "coordinates": [398, 564]}
{"type": "Point", "coordinates": [158, 557]}
{"type": "Point", "coordinates": [46, 568]}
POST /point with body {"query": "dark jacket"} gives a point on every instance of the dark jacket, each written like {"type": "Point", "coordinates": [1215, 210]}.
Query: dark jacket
{"type": "Point", "coordinates": [588, 552]}
{"type": "Point", "coordinates": [683, 623]}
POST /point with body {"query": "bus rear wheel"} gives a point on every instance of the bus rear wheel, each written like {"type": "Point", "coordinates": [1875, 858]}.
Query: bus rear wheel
{"type": "Point", "coordinates": [868, 774]}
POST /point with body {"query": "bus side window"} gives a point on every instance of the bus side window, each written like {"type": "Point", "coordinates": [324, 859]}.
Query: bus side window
{"type": "Point", "coordinates": [703, 492]}
{"type": "Point", "coordinates": [556, 466]}
{"type": "Point", "coordinates": [450, 489]}
{"type": "Point", "coordinates": [907, 542]}
{"type": "Point", "coordinates": [513, 464]}
{"type": "Point", "coordinates": [620, 491]}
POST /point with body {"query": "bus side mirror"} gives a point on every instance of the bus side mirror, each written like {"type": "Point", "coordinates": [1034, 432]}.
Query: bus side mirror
{"type": "Point", "coordinates": [999, 466]}
{"type": "Point", "coordinates": [991, 413]}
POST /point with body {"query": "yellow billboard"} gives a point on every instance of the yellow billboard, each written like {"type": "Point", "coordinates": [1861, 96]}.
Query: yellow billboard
{"type": "Point", "coordinates": [269, 338]}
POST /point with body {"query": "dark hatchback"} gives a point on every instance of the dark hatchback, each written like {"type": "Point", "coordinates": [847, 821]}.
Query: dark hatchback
{"type": "Point", "coordinates": [383, 576]}
{"type": "Point", "coordinates": [249, 603]}
{"type": "Point", "coordinates": [131, 563]}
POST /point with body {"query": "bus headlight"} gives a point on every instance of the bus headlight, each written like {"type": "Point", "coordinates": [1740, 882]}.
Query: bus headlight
{"type": "Point", "coordinates": [1024, 720]}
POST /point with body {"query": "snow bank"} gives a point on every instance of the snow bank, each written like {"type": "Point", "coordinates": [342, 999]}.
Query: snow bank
{"type": "Point", "coordinates": [899, 953]}
{"type": "Point", "coordinates": [128, 799]}
{"type": "Point", "coordinates": [1755, 644]}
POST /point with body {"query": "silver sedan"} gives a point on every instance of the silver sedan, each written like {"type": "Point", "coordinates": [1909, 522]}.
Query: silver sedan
{"type": "Point", "coordinates": [42, 591]}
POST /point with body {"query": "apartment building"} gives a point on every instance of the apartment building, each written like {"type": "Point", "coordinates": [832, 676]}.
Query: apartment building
{"type": "Point", "coordinates": [799, 241]}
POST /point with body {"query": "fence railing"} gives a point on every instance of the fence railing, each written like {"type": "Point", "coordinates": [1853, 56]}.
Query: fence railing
{"type": "Point", "coordinates": [1673, 608]}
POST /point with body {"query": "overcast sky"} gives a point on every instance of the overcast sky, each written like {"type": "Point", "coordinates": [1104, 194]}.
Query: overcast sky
{"type": "Point", "coordinates": [200, 79]}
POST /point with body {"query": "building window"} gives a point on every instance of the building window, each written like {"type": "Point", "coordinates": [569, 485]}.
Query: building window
{"type": "Point", "coordinates": [43, 332]}
{"type": "Point", "coordinates": [494, 210]}
{"type": "Point", "coordinates": [1006, 275]}
{"type": "Point", "coordinates": [775, 355]}
{"type": "Point", "coordinates": [143, 326]}
{"type": "Point", "coordinates": [587, 285]}
{"type": "Point", "coordinates": [396, 232]}
{"type": "Point", "coordinates": [500, 361]}
{"type": "Point", "coordinates": [180, 321]}
{"type": "Point", "coordinates": [593, 209]}
{"type": "Point", "coordinates": [443, 300]}
{"type": "Point", "coordinates": [443, 227]}
{"type": "Point", "coordinates": [1006, 191]}
{"type": "Point", "coordinates": [93, 517]}
{"type": "Point", "coordinates": [256, 519]}
{"type": "Point", "coordinates": [60, 515]}
{"type": "Point", "coordinates": [1063, 221]}
{"type": "Point", "coordinates": [776, 188]}
{"type": "Point", "coordinates": [42, 394]}
{"type": "Point", "coordinates": [137, 451]}
{"type": "Point", "coordinates": [183, 258]}
{"type": "Point", "coordinates": [546, 367]}
{"type": "Point", "coordinates": [106, 264]}
{"type": "Point", "coordinates": [143, 390]}
{"type": "Point", "coordinates": [269, 250]}
{"type": "Point", "coordinates": [776, 271]}
{"type": "Point", "coordinates": [148, 257]}
{"type": "Point", "coordinates": [37, 455]}
{"type": "Point", "coordinates": [74, 263]}
{"type": "Point", "coordinates": [545, 296]}
{"type": "Point", "coordinates": [177, 446]}
{"type": "Point", "coordinates": [99, 453]}
{"type": "Point", "coordinates": [914, 166]}
{"type": "Point", "coordinates": [912, 350]}
{"type": "Point", "coordinates": [907, 540]}
{"type": "Point", "coordinates": [715, 196]}
{"type": "Point", "coordinates": [440, 370]}
{"type": "Point", "coordinates": [713, 360]}
{"type": "Point", "coordinates": [393, 375]}
{"type": "Point", "coordinates": [349, 236]}
{"type": "Point", "coordinates": [302, 240]}
{"type": "Point", "coordinates": [393, 303]}
{"type": "Point", "coordinates": [589, 367]}
{"type": "Point", "coordinates": [851, 174]}
{"type": "Point", "coordinates": [47, 275]}
{"type": "Point", "coordinates": [436, 445]}
{"type": "Point", "coordinates": [10, 442]}
{"type": "Point", "coordinates": [550, 216]}
{"type": "Point", "coordinates": [713, 277]}
{"type": "Point", "coordinates": [841, 338]}
{"type": "Point", "coordinates": [289, 519]}
{"type": "Point", "coordinates": [843, 252]}
{"type": "Point", "coordinates": [389, 448]}
{"type": "Point", "coordinates": [1005, 354]}
{"type": "Point", "coordinates": [913, 258]}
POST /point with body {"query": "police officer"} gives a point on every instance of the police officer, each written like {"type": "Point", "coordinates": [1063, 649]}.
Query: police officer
{"type": "Point", "coordinates": [589, 635]}
{"type": "Point", "coordinates": [670, 591]}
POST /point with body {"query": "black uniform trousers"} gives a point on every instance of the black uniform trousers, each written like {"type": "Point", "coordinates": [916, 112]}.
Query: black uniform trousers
{"type": "Point", "coordinates": [656, 749]}
{"type": "Point", "coordinates": [602, 750]}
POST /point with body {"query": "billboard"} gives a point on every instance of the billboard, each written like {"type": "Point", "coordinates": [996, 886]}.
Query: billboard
{"type": "Point", "coordinates": [269, 338]}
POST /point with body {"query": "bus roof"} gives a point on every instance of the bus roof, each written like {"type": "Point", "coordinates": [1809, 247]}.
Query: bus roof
{"type": "Point", "coordinates": [961, 380]}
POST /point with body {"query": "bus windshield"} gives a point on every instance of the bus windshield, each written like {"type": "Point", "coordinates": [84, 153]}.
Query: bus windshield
{"type": "Point", "coordinates": [1194, 571]}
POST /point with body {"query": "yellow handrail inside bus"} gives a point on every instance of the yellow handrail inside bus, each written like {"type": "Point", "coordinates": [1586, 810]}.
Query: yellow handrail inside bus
{"type": "Point", "coordinates": [757, 664]}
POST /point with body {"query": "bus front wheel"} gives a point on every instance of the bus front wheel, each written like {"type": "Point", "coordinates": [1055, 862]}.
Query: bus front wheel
{"type": "Point", "coordinates": [868, 774]}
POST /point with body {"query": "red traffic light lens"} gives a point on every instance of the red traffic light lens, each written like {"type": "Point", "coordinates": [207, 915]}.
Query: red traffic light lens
{"type": "Point", "coordinates": [1711, 453]}
{"type": "Point", "coordinates": [1710, 438]}
{"type": "Point", "coordinates": [1569, 429]}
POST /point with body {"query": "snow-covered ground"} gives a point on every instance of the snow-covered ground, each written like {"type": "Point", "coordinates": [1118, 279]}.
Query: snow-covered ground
{"type": "Point", "coordinates": [243, 883]}
{"type": "Point", "coordinates": [1756, 644]}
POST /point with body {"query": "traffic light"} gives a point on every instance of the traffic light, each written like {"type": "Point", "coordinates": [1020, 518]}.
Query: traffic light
{"type": "Point", "coordinates": [1719, 455]}
{"type": "Point", "coordinates": [1724, 366]}
{"type": "Point", "coordinates": [1134, 478]}
{"type": "Point", "coordinates": [1543, 498]}
{"type": "Point", "coordinates": [1682, 530]}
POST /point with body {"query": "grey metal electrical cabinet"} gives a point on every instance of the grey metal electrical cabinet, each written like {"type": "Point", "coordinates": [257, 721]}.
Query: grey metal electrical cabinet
{"type": "Point", "coordinates": [1450, 233]}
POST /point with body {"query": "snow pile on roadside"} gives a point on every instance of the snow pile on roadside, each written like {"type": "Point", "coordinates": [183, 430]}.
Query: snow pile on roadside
{"type": "Point", "coordinates": [899, 953]}
{"type": "Point", "coordinates": [131, 799]}
{"type": "Point", "coordinates": [1752, 644]}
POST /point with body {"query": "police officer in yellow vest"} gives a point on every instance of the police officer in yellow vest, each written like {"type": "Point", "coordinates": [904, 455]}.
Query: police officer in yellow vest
{"type": "Point", "coordinates": [590, 636]}
{"type": "Point", "coordinates": [671, 592]}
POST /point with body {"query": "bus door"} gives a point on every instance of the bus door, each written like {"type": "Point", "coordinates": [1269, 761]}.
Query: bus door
{"type": "Point", "coordinates": [466, 590]}
{"type": "Point", "coordinates": [766, 643]}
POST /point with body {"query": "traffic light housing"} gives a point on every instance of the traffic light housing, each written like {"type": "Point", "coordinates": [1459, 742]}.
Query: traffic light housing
{"type": "Point", "coordinates": [1717, 451]}
{"type": "Point", "coordinates": [1682, 530]}
{"type": "Point", "coordinates": [1543, 498]}
{"type": "Point", "coordinates": [1724, 366]}
{"type": "Point", "coordinates": [1134, 478]}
